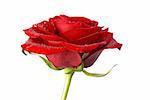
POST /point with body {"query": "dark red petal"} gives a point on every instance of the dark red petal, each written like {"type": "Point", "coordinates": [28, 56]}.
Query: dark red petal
{"type": "Point", "coordinates": [89, 61]}
{"type": "Point", "coordinates": [113, 44]}
{"type": "Point", "coordinates": [83, 48]}
{"type": "Point", "coordinates": [33, 34]}
{"type": "Point", "coordinates": [65, 59]}
{"type": "Point", "coordinates": [77, 33]}
{"type": "Point", "coordinates": [93, 55]}
{"type": "Point", "coordinates": [38, 46]}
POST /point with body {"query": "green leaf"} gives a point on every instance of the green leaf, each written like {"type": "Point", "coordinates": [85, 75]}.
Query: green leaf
{"type": "Point", "coordinates": [98, 74]}
{"type": "Point", "coordinates": [48, 63]}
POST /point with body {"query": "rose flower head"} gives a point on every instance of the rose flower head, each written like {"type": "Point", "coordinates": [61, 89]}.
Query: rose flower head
{"type": "Point", "coordinates": [68, 42]}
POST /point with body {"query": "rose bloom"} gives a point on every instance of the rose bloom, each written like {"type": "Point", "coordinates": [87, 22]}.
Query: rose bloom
{"type": "Point", "coordinates": [69, 41]}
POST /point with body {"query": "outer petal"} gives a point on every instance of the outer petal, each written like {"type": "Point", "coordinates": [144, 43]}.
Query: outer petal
{"type": "Point", "coordinates": [40, 47]}
{"type": "Point", "coordinates": [83, 48]}
{"type": "Point", "coordinates": [93, 55]}
{"type": "Point", "coordinates": [89, 61]}
{"type": "Point", "coordinates": [113, 44]}
{"type": "Point", "coordinates": [65, 59]}
{"type": "Point", "coordinates": [34, 34]}
{"type": "Point", "coordinates": [44, 27]}
{"type": "Point", "coordinates": [51, 21]}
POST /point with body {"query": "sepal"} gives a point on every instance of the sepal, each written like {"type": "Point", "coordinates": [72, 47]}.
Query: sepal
{"type": "Point", "coordinates": [71, 70]}
{"type": "Point", "coordinates": [49, 64]}
{"type": "Point", "coordinates": [98, 74]}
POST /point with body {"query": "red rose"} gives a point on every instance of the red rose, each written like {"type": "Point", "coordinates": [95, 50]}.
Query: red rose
{"type": "Point", "coordinates": [69, 41]}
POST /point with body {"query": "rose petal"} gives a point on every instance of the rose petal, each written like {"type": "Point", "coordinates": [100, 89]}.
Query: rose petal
{"type": "Point", "coordinates": [85, 20]}
{"type": "Point", "coordinates": [71, 28]}
{"type": "Point", "coordinates": [95, 38]}
{"type": "Point", "coordinates": [63, 26]}
{"type": "Point", "coordinates": [55, 43]}
{"type": "Point", "coordinates": [33, 34]}
{"type": "Point", "coordinates": [83, 48]}
{"type": "Point", "coordinates": [77, 33]}
{"type": "Point", "coordinates": [51, 21]}
{"type": "Point", "coordinates": [65, 59]}
{"type": "Point", "coordinates": [89, 61]}
{"type": "Point", "coordinates": [93, 55]}
{"type": "Point", "coordinates": [44, 27]}
{"type": "Point", "coordinates": [40, 47]}
{"type": "Point", "coordinates": [113, 44]}
{"type": "Point", "coordinates": [89, 39]}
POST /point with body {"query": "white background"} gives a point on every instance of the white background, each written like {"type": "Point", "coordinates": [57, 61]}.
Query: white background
{"type": "Point", "coordinates": [28, 78]}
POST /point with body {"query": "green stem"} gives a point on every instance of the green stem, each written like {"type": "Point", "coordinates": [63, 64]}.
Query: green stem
{"type": "Point", "coordinates": [67, 85]}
